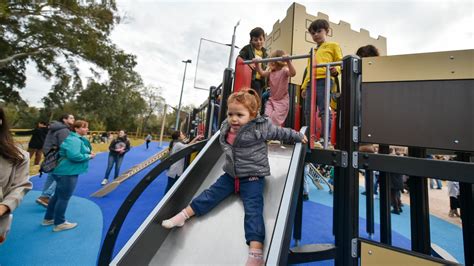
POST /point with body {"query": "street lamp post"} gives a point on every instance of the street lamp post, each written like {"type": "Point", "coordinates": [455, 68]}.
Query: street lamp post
{"type": "Point", "coordinates": [233, 45]}
{"type": "Point", "coordinates": [181, 96]}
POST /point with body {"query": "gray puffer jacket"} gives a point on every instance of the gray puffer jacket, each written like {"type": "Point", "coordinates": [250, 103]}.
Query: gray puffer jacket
{"type": "Point", "coordinates": [57, 133]}
{"type": "Point", "coordinates": [248, 156]}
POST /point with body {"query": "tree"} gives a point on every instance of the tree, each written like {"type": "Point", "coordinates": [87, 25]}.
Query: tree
{"type": "Point", "coordinates": [116, 103]}
{"type": "Point", "coordinates": [22, 116]}
{"type": "Point", "coordinates": [55, 36]}
{"type": "Point", "coordinates": [184, 113]}
{"type": "Point", "coordinates": [154, 104]}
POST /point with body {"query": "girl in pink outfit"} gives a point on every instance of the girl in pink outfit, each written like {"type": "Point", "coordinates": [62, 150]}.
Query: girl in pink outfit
{"type": "Point", "coordinates": [279, 74]}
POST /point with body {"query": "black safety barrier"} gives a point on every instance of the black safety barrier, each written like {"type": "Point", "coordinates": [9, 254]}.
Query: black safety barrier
{"type": "Point", "coordinates": [214, 93]}
{"type": "Point", "coordinates": [108, 245]}
{"type": "Point", "coordinates": [347, 160]}
{"type": "Point", "coordinates": [227, 82]}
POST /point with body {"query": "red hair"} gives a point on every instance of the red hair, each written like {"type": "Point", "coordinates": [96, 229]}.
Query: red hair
{"type": "Point", "coordinates": [80, 123]}
{"type": "Point", "coordinates": [248, 98]}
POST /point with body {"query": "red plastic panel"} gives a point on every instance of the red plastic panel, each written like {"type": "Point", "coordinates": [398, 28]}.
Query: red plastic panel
{"type": "Point", "coordinates": [243, 75]}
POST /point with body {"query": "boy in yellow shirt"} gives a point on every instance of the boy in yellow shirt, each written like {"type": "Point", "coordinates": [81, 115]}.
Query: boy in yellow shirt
{"type": "Point", "coordinates": [325, 52]}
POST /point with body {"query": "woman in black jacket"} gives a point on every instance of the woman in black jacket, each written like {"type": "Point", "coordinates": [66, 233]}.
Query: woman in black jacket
{"type": "Point", "coordinates": [118, 147]}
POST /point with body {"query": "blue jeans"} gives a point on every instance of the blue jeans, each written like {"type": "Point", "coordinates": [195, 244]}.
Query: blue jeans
{"type": "Point", "coordinates": [49, 187]}
{"type": "Point", "coordinates": [113, 159]}
{"type": "Point", "coordinates": [320, 104]}
{"type": "Point", "coordinates": [251, 193]}
{"type": "Point", "coordinates": [438, 183]}
{"type": "Point", "coordinates": [58, 203]}
{"type": "Point", "coordinates": [265, 96]}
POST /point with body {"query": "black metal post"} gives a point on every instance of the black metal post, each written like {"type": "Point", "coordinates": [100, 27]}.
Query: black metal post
{"type": "Point", "coordinates": [209, 110]}
{"type": "Point", "coordinates": [191, 125]}
{"type": "Point", "coordinates": [297, 227]}
{"type": "Point", "coordinates": [369, 202]}
{"type": "Point", "coordinates": [335, 197]}
{"type": "Point", "coordinates": [467, 214]}
{"type": "Point", "coordinates": [348, 192]}
{"type": "Point", "coordinates": [226, 91]}
{"type": "Point", "coordinates": [385, 219]}
{"type": "Point", "coordinates": [419, 208]}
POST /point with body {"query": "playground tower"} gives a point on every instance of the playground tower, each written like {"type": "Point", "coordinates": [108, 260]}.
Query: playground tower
{"type": "Point", "coordinates": [291, 35]}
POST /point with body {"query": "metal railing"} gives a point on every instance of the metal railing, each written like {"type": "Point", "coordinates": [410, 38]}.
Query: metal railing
{"type": "Point", "coordinates": [327, 95]}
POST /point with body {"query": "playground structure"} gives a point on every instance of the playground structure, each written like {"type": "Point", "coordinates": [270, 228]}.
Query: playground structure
{"type": "Point", "coordinates": [363, 117]}
{"type": "Point", "coordinates": [291, 35]}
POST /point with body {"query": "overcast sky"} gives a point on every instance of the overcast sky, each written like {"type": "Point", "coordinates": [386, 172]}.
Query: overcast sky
{"type": "Point", "coordinates": [163, 33]}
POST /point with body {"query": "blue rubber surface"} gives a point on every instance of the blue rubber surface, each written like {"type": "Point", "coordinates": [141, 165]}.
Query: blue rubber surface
{"type": "Point", "coordinates": [29, 243]}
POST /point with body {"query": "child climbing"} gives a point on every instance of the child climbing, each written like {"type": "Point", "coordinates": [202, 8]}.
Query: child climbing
{"type": "Point", "coordinates": [279, 74]}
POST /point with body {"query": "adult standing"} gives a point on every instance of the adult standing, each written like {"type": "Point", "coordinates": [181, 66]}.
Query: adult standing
{"type": "Point", "coordinates": [148, 139]}
{"type": "Point", "coordinates": [117, 149]}
{"type": "Point", "coordinates": [57, 133]}
{"type": "Point", "coordinates": [74, 155]}
{"type": "Point", "coordinates": [14, 183]}
{"type": "Point", "coordinates": [35, 146]}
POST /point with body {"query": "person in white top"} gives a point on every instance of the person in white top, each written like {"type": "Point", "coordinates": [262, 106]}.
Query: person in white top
{"type": "Point", "coordinates": [178, 143]}
{"type": "Point", "coordinates": [14, 176]}
{"type": "Point", "coordinates": [453, 191]}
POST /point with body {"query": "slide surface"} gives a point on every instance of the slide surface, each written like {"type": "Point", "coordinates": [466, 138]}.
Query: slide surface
{"type": "Point", "coordinates": [216, 238]}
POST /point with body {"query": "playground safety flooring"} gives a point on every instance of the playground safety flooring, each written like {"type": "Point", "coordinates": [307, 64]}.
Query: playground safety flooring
{"type": "Point", "coordinates": [29, 243]}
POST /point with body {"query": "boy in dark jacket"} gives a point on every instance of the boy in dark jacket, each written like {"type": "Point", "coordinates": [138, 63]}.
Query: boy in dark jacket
{"type": "Point", "coordinates": [253, 50]}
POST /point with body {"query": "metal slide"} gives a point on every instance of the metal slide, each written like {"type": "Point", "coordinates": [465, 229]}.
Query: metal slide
{"type": "Point", "coordinates": [218, 237]}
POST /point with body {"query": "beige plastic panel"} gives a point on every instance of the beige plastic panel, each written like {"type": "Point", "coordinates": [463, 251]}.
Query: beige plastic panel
{"type": "Point", "coordinates": [371, 255]}
{"type": "Point", "coordinates": [428, 66]}
{"type": "Point", "coordinates": [280, 37]}
{"type": "Point", "coordinates": [297, 39]}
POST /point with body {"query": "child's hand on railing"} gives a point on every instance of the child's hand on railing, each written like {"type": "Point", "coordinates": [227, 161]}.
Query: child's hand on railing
{"type": "Point", "coordinates": [255, 64]}
{"type": "Point", "coordinates": [304, 140]}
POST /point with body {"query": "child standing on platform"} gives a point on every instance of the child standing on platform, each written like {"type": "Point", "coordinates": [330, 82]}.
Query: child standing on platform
{"type": "Point", "coordinates": [279, 74]}
{"type": "Point", "coordinates": [243, 139]}
{"type": "Point", "coordinates": [177, 143]}
{"type": "Point", "coordinates": [256, 50]}
{"type": "Point", "coordinates": [326, 52]}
